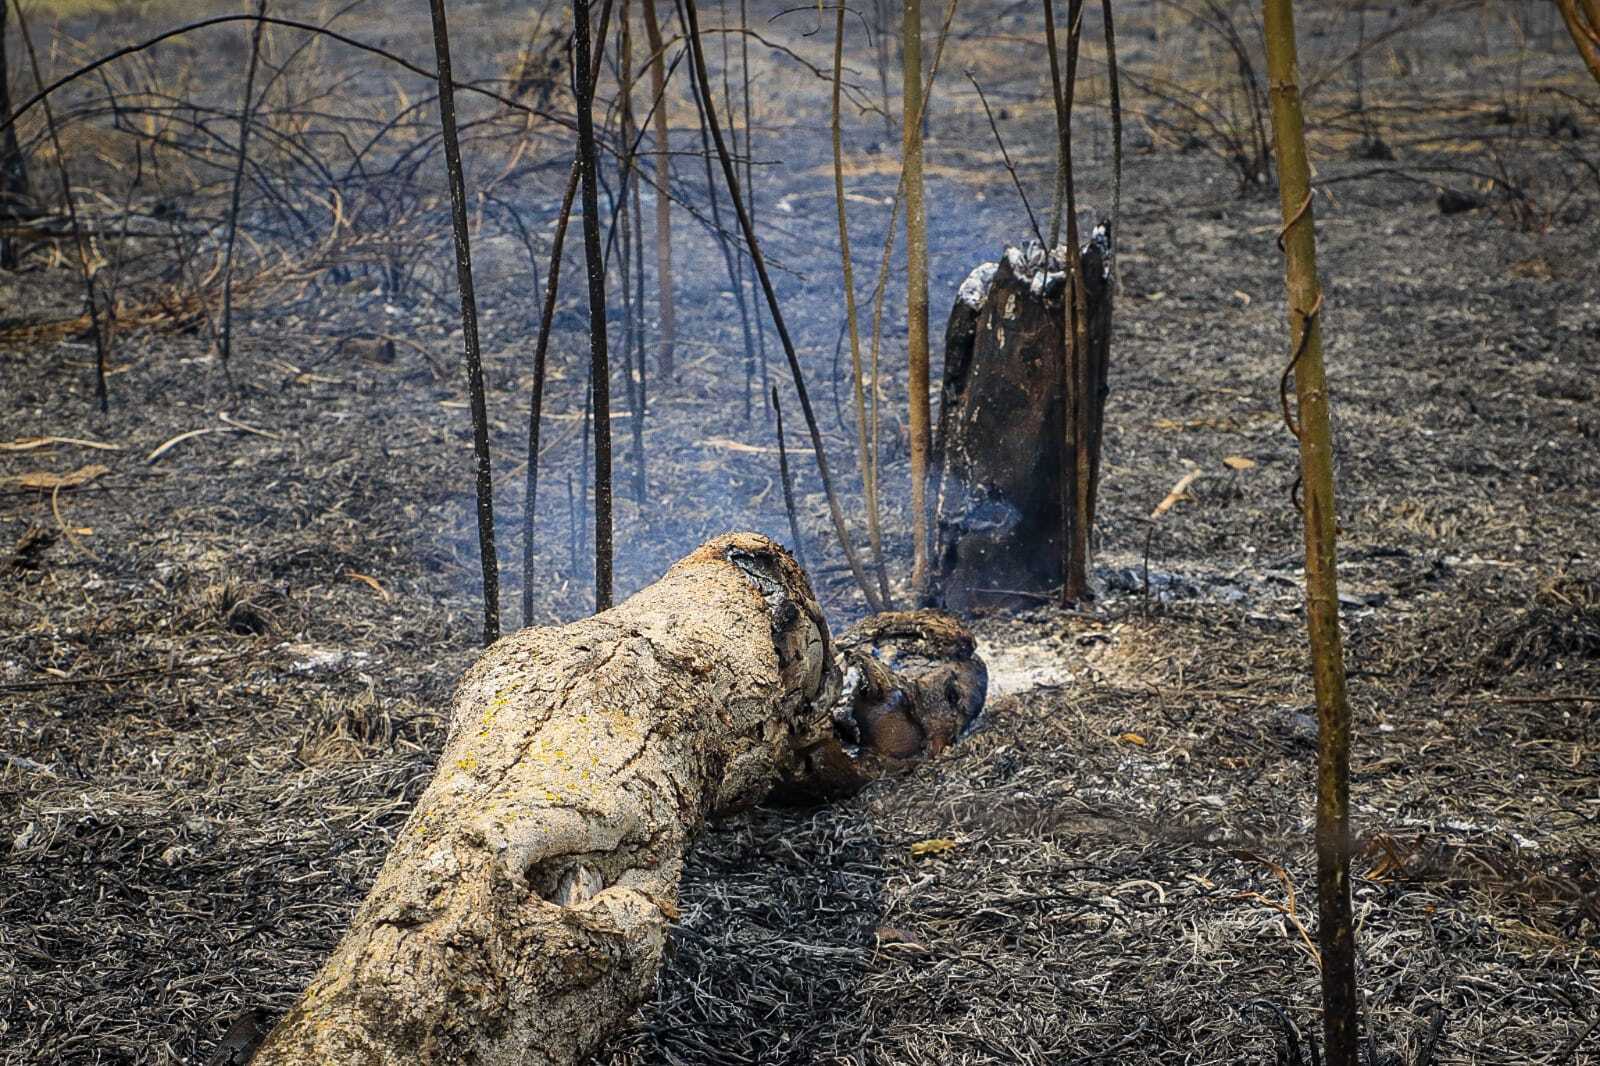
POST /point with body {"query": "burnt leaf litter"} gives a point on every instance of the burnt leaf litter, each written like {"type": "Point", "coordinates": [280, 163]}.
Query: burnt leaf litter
{"type": "Point", "coordinates": [224, 670]}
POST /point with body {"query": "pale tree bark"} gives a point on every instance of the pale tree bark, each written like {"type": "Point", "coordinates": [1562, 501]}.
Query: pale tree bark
{"type": "Point", "coordinates": [921, 419]}
{"type": "Point", "coordinates": [1335, 923]}
{"type": "Point", "coordinates": [865, 438]}
{"type": "Point", "coordinates": [663, 153]}
{"type": "Point", "coordinates": [523, 911]}
{"type": "Point", "coordinates": [1583, 23]}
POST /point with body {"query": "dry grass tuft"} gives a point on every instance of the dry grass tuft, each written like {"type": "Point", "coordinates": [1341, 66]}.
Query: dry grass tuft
{"type": "Point", "coordinates": [1561, 626]}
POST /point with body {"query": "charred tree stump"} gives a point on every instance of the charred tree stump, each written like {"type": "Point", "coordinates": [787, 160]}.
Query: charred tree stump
{"type": "Point", "coordinates": [1004, 435]}
{"type": "Point", "coordinates": [522, 913]}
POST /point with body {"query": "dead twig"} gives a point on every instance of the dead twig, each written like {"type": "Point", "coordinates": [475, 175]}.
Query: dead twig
{"type": "Point", "coordinates": [1006, 158]}
{"type": "Point", "coordinates": [121, 675]}
{"type": "Point", "coordinates": [600, 368]}
{"type": "Point", "coordinates": [1287, 907]}
{"type": "Point", "coordinates": [866, 436]}
{"type": "Point", "coordinates": [91, 298]}
{"type": "Point", "coordinates": [246, 109]}
{"type": "Point", "coordinates": [788, 483]}
{"type": "Point", "coordinates": [13, 166]}
{"type": "Point", "coordinates": [703, 78]}
{"type": "Point", "coordinates": [469, 327]}
{"type": "Point", "coordinates": [24, 444]}
{"type": "Point", "coordinates": [1180, 491]}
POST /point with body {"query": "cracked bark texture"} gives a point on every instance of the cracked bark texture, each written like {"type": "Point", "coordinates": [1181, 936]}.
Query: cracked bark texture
{"type": "Point", "coordinates": [522, 913]}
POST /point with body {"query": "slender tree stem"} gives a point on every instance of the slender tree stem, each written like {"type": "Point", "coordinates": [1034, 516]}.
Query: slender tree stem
{"type": "Point", "coordinates": [881, 288]}
{"type": "Point", "coordinates": [1116, 127]}
{"type": "Point", "coordinates": [1076, 401]}
{"type": "Point", "coordinates": [469, 326]}
{"type": "Point", "coordinates": [1336, 929]}
{"type": "Point", "coordinates": [881, 9]}
{"type": "Point", "coordinates": [246, 111]}
{"type": "Point", "coordinates": [14, 190]}
{"type": "Point", "coordinates": [738, 262]}
{"type": "Point", "coordinates": [628, 194]}
{"type": "Point", "coordinates": [541, 350]}
{"type": "Point", "coordinates": [749, 169]}
{"type": "Point", "coordinates": [1116, 238]}
{"type": "Point", "coordinates": [921, 417]}
{"type": "Point", "coordinates": [1584, 26]}
{"type": "Point", "coordinates": [663, 150]}
{"type": "Point", "coordinates": [730, 174]}
{"type": "Point", "coordinates": [701, 92]}
{"type": "Point", "coordinates": [599, 361]}
{"type": "Point", "coordinates": [788, 483]}
{"type": "Point", "coordinates": [90, 295]}
{"type": "Point", "coordinates": [1063, 127]}
{"type": "Point", "coordinates": [864, 438]}
{"type": "Point", "coordinates": [640, 363]}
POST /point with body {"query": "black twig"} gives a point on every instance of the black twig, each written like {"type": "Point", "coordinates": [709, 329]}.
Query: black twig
{"type": "Point", "coordinates": [541, 350]}
{"type": "Point", "coordinates": [246, 108]}
{"type": "Point", "coordinates": [44, 91]}
{"type": "Point", "coordinates": [1006, 158]}
{"type": "Point", "coordinates": [788, 483]}
{"type": "Point", "coordinates": [749, 162]}
{"type": "Point", "coordinates": [735, 278]}
{"type": "Point", "coordinates": [692, 21]}
{"type": "Point", "coordinates": [469, 326]}
{"type": "Point", "coordinates": [13, 165]}
{"type": "Point", "coordinates": [1430, 1043]}
{"type": "Point", "coordinates": [1291, 1033]}
{"type": "Point", "coordinates": [1116, 133]}
{"type": "Point", "coordinates": [1572, 1048]}
{"type": "Point", "coordinates": [600, 372]}
{"type": "Point", "coordinates": [91, 297]}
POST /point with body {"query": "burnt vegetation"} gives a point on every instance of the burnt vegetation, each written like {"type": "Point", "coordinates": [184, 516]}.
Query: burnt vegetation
{"type": "Point", "coordinates": [261, 462]}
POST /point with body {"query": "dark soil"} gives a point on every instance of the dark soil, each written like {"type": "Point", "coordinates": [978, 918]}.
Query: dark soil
{"type": "Point", "coordinates": [223, 671]}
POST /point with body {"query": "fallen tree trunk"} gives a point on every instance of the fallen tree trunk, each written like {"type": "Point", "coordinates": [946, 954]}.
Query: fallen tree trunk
{"type": "Point", "coordinates": [522, 913]}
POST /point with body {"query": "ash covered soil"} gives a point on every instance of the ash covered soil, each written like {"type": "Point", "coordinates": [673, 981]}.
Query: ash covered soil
{"type": "Point", "coordinates": [223, 671]}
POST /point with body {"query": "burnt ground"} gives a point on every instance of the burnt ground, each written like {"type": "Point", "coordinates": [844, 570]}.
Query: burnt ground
{"type": "Point", "coordinates": [223, 671]}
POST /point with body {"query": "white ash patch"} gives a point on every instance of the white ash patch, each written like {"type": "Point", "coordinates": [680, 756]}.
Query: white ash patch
{"type": "Point", "coordinates": [1045, 273]}
{"type": "Point", "coordinates": [311, 659]}
{"type": "Point", "coordinates": [975, 290]}
{"type": "Point", "coordinates": [1018, 668]}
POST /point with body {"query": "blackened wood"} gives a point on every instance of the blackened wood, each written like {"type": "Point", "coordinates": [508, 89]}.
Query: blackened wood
{"type": "Point", "coordinates": [600, 365]}
{"type": "Point", "coordinates": [469, 323]}
{"type": "Point", "coordinates": [1003, 444]}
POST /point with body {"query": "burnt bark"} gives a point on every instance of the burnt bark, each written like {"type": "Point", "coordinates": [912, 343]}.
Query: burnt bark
{"type": "Point", "coordinates": [1006, 462]}
{"type": "Point", "coordinates": [523, 911]}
